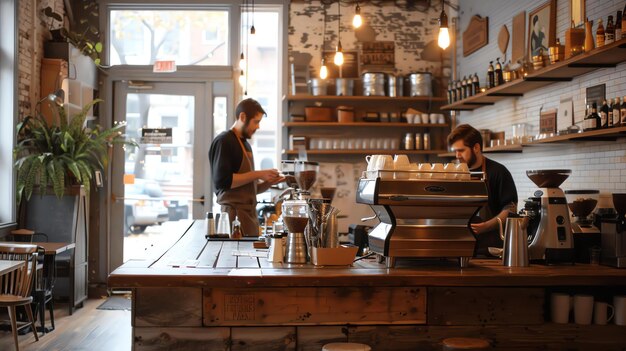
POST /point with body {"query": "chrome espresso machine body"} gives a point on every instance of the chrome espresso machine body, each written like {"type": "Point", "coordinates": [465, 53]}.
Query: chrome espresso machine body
{"type": "Point", "coordinates": [422, 217]}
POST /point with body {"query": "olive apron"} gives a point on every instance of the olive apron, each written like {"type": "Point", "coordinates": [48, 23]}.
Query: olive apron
{"type": "Point", "coordinates": [241, 201]}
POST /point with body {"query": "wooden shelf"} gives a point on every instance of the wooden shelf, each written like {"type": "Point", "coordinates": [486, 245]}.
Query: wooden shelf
{"type": "Point", "coordinates": [364, 152]}
{"type": "Point", "coordinates": [365, 124]}
{"type": "Point", "coordinates": [307, 97]}
{"type": "Point", "coordinates": [601, 135]}
{"type": "Point", "coordinates": [564, 71]}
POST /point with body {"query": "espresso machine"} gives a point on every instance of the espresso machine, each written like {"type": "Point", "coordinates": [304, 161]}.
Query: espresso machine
{"type": "Point", "coordinates": [422, 215]}
{"type": "Point", "coordinates": [614, 235]}
{"type": "Point", "coordinates": [549, 231]}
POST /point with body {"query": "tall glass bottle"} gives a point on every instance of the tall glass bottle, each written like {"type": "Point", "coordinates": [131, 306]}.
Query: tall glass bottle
{"type": "Point", "coordinates": [622, 113]}
{"type": "Point", "coordinates": [459, 90]}
{"type": "Point", "coordinates": [592, 121]}
{"type": "Point", "coordinates": [604, 114]}
{"type": "Point", "coordinates": [616, 112]}
{"type": "Point", "coordinates": [618, 26]}
{"type": "Point", "coordinates": [609, 33]}
{"type": "Point", "coordinates": [464, 87]}
{"type": "Point", "coordinates": [609, 117]}
{"type": "Point", "coordinates": [476, 83]}
{"type": "Point", "coordinates": [600, 34]}
{"type": "Point", "coordinates": [490, 76]}
{"type": "Point", "coordinates": [499, 75]}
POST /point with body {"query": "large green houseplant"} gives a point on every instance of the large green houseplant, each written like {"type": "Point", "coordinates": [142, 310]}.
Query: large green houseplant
{"type": "Point", "coordinates": [63, 153]}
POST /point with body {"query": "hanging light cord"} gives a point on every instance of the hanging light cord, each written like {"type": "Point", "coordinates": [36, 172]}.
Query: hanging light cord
{"type": "Point", "coordinates": [247, 46]}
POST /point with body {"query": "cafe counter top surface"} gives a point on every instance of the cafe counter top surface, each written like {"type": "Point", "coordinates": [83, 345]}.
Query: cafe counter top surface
{"type": "Point", "coordinates": [192, 261]}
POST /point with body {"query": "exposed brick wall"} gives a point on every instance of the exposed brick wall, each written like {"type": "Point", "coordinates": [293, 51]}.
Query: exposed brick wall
{"type": "Point", "coordinates": [410, 28]}
{"type": "Point", "coordinates": [32, 32]}
{"type": "Point", "coordinates": [594, 165]}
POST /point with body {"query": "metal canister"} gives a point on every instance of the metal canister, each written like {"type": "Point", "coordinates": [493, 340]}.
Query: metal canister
{"type": "Point", "coordinates": [420, 84]}
{"type": "Point", "coordinates": [418, 141]}
{"type": "Point", "coordinates": [426, 141]}
{"type": "Point", "coordinates": [408, 141]}
{"type": "Point", "coordinates": [392, 87]}
{"type": "Point", "coordinates": [373, 84]}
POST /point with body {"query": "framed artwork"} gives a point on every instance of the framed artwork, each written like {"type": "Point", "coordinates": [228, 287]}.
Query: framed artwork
{"type": "Point", "coordinates": [578, 12]}
{"type": "Point", "coordinates": [541, 29]}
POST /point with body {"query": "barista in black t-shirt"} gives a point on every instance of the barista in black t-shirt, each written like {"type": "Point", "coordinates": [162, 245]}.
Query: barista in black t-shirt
{"type": "Point", "coordinates": [467, 144]}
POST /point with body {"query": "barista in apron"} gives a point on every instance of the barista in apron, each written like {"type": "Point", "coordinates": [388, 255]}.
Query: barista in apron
{"type": "Point", "coordinates": [502, 194]}
{"type": "Point", "coordinates": [235, 180]}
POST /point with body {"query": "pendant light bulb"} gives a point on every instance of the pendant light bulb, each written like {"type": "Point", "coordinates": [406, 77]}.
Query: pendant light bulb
{"type": "Point", "coordinates": [242, 62]}
{"type": "Point", "coordinates": [357, 21]}
{"type": "Point", "coordinates": [242, 79]}
{"type": "Point", "coordinates": [323, 70]}
{"type": "Point", "coordinates": [252, 30]}
{"type": "Point", "coordinates": [339, 55]}
{"type": "Point", "coordinates": [444, 36]}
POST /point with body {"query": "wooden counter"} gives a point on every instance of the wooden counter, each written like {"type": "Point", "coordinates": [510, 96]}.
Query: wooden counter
{"type": "Point", "coordinates": [227, 302]}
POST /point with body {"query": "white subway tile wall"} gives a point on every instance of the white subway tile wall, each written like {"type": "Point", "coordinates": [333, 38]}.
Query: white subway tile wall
{"type": "Point", "coordinates": [595, 164]}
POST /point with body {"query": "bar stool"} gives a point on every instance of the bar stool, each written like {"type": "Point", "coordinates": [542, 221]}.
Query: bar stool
{"type": "Point", "coordinates": [453, 344]}
{"type": "Point", "coordinates": [22, 235]}
{"type": "Point", "coordinates": [346, 346]}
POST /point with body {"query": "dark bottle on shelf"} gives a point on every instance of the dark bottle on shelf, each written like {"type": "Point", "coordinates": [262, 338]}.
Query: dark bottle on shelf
{"type": "Point", "coordinates": [499, 76]}
{"type": "Point", "coordinates": [449, 91]}
{"type": "Point", "coordinates": [618, 26]}
{"type": "Point", "coordinates": [490, 76]}
{"type": "Point", "coordinates": [623, 21]}
{"type": "Point", "coordinates": [600, 34]}
{"type": "Point", "coordinates": [470, 86]}
{"type": "Point", "coordinates": [622, 113]}
{"type": "Point", "coordinates": [463, 87]}
{"type": "Point", "coordinates": [609, 116]}
{"type": "Point", "coordinates": [609, 33]}
{"type": "Point", "coordinates": [459, 90]}
{"type": "Point", "coordinates": [616, 112]}
{"type": "Point", "coordinates": [476, 83]}
{"type": "Point", "coordinates": [604, 114]}
{"type": "Point", "coordinates": [453, 91]}
{"type": "Point", "coordinates": [592, 121]}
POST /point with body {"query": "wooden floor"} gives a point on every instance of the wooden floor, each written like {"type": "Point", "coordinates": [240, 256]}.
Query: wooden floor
{"type": "Point", "coordinates": [87, 329]}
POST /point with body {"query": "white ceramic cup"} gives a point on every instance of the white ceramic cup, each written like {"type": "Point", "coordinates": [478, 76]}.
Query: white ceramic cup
{"type": "Point", "coordinates": [401, 162]}
{"type": "Point", "coordinates": [410, 117]}
{"type": "Point", "coordinates": [437, 169]}
{"type": "Point", "coordinates": [371, 161]}
{"type": "Point", "coordinates": [600, 314]}
{"type": "Point", "coordinates": [433, 118]}
{"type": "Point", "coordinates": [384, 162]}
{"type": "Point", "coordinates": [619, 303]}
{"type": "Point", "coordinates": [424, 118]}
{"type": "Point", "coordinates": [583, 309]}
{"type": "Point", "coordinates": [559, 308]}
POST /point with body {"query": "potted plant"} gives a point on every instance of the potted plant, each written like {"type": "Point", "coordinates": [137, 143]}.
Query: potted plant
{"type": "Point", "coordinates": [58, 155]}
{"type": "Point", "coordinates": [87, 39]}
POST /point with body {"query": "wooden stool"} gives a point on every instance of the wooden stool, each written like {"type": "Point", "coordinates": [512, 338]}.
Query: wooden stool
{"type": "Point", "coordinates": [452, 344]}
{"type": "Point", "coordinates": [346, 346]}
{"type": "Point", "coordinates": [22, 235]}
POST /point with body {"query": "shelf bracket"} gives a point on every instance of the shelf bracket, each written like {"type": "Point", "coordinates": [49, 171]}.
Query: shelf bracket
{"type": "Point", "coordinates": [592, 65]}
{"type": "Point", "coordinates": [548, 79]}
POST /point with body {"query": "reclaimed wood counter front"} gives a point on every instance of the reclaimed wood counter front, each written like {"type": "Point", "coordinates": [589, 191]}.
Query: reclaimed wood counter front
{"type": "Point", "coordinates": [199, 295]}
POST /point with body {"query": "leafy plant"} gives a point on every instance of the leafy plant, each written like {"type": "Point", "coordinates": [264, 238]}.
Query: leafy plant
{"type": "Point", "coordinates": [63, 154]}
{"type": "Point", "coordinates": [87, 40]}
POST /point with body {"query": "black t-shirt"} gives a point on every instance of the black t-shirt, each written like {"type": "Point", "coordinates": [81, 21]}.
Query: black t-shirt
{"type": "Point", "coordinates": [502, 193]}
{"type": "Point", "coordinates": [225, 156]}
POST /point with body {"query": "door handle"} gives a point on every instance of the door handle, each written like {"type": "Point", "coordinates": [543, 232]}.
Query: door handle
{"type": "Point", "coordinates": [202, 200]}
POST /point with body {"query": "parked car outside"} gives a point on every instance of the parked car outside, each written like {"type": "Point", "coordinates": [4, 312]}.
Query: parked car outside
{"type": "Point", "coordinates": [143, 206]}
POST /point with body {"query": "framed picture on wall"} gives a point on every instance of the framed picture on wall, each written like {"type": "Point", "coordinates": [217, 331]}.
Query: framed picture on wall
{"type": "Point", "coordinates": [578, 12]}
{"type": "Point", "coordinates": [541, 29]}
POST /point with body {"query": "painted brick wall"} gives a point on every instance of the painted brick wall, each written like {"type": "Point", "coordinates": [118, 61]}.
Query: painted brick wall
{"type": "Point", "coordinates": [594, 165]}
{"type": "Point", "coordinates": [410, 28]}
{"type": "Point", "coordinates": [32, 32]}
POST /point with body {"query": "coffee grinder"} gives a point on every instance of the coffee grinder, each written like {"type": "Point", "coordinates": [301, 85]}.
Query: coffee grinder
{"type": "Point", "coordinates": [581, 203]}
{"type": "Point", "coordinates": [614, 235]}
{"type": "Point", "coordinates": [550, 234]}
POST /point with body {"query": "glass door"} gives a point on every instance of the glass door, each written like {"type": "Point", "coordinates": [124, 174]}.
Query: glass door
{"type": "Point", "coordinates": [161, 184]}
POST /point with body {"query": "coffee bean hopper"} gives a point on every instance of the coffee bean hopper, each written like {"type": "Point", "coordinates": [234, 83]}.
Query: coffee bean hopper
{"type": "Point", "coordinates": [422, 214]}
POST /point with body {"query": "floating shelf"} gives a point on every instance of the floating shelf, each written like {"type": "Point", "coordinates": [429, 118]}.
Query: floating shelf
{"type": "Point", "coordinates": [564, 71]}
{"type": "Point", "coordinates": [365, 152]}
{"type": "Point", "coordinates": [307, 97]}
{"type": "Point", "coordinates": [594, 135]}
{"type": "Point", "coordinates": [365, 124]}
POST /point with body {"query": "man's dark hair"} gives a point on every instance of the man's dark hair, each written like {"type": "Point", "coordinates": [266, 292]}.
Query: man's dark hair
{"type": "Point", "coordinates": [468, 134]}
{"type": "Point", "coordinates": [250, 107]}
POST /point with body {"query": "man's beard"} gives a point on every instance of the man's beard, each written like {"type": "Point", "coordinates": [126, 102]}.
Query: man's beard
{"type": "Point", "coordinates": [472, 161]}
{"type": "Point", "coordinates": [244, 130]}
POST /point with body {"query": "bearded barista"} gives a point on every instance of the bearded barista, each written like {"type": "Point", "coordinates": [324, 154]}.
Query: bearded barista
{"type": "Point", "coordinates": [235, 181]}
{"type": "Point", "coordinates": [467, 143]}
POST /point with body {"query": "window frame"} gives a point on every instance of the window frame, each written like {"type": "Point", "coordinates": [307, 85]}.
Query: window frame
{"type": "Point", "coordinates": [8, 107]}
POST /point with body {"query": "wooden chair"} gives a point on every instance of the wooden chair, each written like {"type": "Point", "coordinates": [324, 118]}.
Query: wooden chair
{"type": "Point", "coordinates": [15, 286]}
